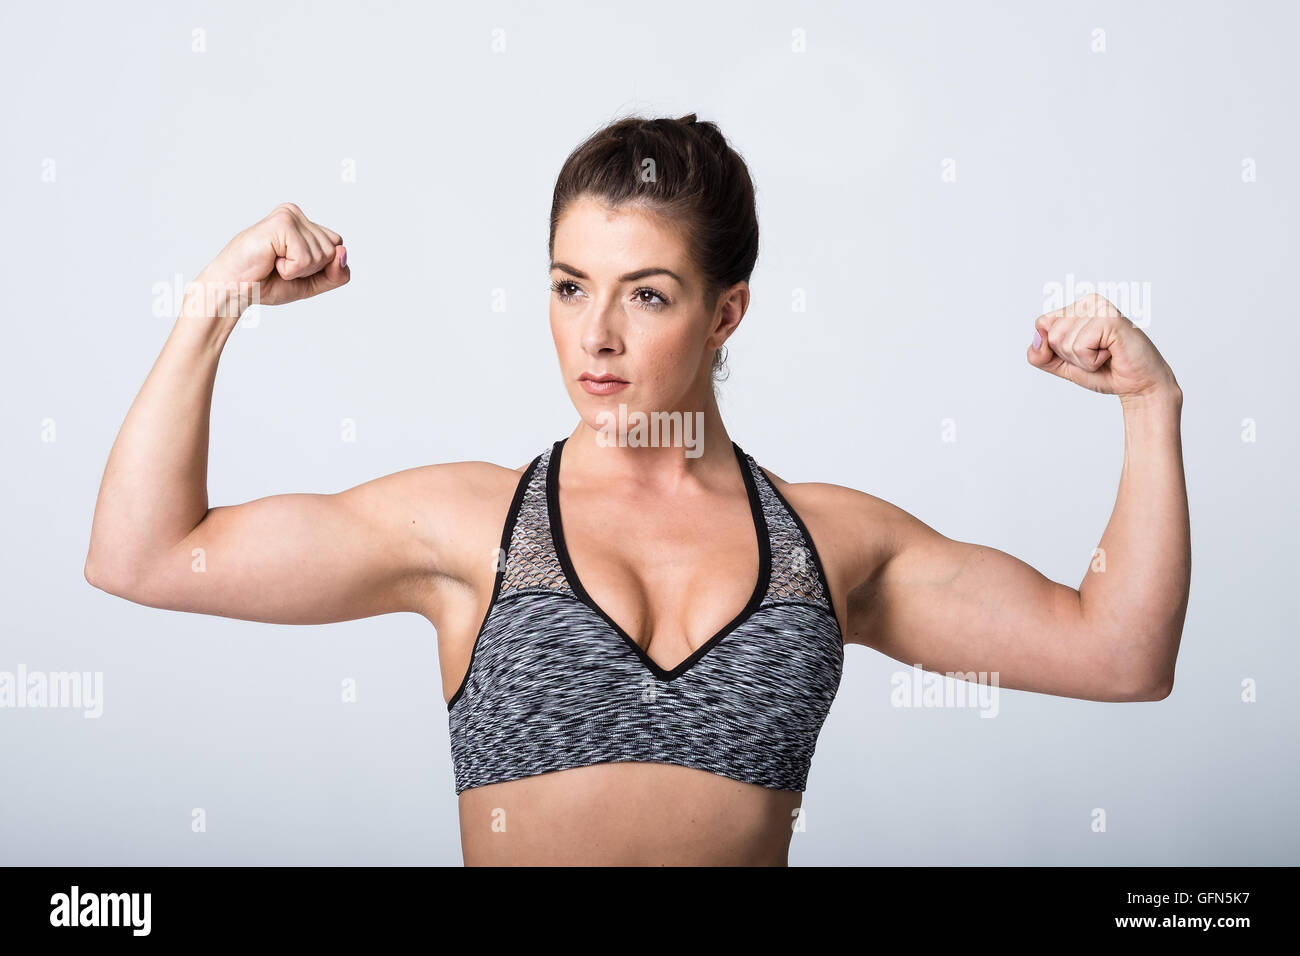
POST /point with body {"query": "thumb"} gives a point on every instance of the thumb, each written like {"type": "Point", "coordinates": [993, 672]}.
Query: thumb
{"type": "Point", "coordinates": [337, 272]}
{"type": "Point", "coordinates": [1040, 353]}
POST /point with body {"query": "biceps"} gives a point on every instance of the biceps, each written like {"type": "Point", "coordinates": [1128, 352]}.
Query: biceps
{"type": "Point", "coordinates": [289, 559]}
{"type": "Point", "coordinates": [952, 606]}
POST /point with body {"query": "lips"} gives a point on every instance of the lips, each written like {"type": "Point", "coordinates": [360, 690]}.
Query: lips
{"type": "Point", "coordinates": [605, 383]}
{"type": "Point", "coordinates": [604, 377]}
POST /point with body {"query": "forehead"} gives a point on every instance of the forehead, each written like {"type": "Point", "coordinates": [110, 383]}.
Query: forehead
{"type": "Point", "coordinates": [595, 233]}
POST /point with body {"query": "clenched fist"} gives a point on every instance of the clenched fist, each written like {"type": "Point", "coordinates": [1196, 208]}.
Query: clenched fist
{"type": "Point", "coordinates": [1090, 343]}
{"type": "Point", "coordinates": [283, 258]}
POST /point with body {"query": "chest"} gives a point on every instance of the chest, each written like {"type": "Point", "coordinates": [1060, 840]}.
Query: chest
{"type": "Point", "coordinates": [671, 574]}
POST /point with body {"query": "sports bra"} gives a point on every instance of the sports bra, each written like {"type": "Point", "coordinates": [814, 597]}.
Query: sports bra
{"type": "Point", "coordinates": [553, 682]}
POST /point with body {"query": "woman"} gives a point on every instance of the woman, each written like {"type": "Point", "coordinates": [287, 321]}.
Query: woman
{"type": "Point", "coordinates": [641, 630]}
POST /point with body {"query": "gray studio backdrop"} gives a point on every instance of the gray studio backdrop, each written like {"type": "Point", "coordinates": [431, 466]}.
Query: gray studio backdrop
{"type": "Point", "coordinates": [930, 176]}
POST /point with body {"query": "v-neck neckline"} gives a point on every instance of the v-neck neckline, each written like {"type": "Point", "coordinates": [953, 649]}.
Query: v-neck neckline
{"type": "Point", "coordinates": [755, 600]}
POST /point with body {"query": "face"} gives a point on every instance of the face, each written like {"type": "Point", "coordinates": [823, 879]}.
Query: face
{"type": "Point", "coordinates": [626, 301]}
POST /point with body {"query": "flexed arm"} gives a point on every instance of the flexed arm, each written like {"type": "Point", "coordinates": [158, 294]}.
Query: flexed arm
{"type": "Point", "coordinates": [294, 558]}
{"type": "Point", "coordinates": [953, 606]}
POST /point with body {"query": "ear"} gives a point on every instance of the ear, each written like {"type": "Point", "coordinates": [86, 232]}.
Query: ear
{"type": "Point", "coordinates": [731, 306]}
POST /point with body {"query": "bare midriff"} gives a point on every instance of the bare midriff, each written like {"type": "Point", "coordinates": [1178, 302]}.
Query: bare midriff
{"type": "Point", "coordinates": [627, 814]}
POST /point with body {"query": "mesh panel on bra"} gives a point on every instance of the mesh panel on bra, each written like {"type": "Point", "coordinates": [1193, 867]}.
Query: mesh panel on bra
{"type": "Point", "coordinates": [532, 563]}
{"type": "Point", "coordinates": [794, 572]}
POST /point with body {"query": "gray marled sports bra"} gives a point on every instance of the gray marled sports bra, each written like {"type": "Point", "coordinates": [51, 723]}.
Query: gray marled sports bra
{"type": "Point", "coordinates": [554, 683]}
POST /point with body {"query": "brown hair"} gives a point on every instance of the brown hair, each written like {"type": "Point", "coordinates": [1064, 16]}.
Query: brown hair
{"type": "Point", "coordinates": [695, 181]}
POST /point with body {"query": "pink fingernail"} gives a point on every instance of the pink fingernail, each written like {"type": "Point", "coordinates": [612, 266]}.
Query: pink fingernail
{"type": "Point", "coordinates": [1038, 339]}
{"type": "Point", "coordinates": [343, 259]}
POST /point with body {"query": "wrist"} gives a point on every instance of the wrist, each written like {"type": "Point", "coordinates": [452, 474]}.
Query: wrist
{"type": "Point", "coordinates": [210, 309]}
{"type": "Point", "coordinates": [211, 296]}
{"type": "Point", "coordinates": [1164, 397]}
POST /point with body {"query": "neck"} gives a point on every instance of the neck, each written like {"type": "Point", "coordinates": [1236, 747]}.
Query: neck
{"type": "Point", "coordinates": [661, 450]}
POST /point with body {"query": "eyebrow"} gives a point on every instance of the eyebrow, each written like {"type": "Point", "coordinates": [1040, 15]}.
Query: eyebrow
{"type": "Point", "coordinates": [626, 277]}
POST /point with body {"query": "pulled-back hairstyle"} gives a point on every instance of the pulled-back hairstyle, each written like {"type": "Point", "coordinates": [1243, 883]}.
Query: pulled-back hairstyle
{"type": "Point", "coordinates": [684, 171]}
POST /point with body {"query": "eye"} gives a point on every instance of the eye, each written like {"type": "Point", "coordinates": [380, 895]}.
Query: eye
{"type": "Point", "coordinates": [559, 286]}
{"type": "Point", "coordinates": [653, 306]}
{"type": "Point", "coordinates": [645, 297]}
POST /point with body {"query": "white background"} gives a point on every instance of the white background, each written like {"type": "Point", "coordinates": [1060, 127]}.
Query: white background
{"type": "Point", "coordinates": [1122, 166]}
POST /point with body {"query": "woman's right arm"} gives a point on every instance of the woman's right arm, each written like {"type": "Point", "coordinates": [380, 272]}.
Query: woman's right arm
{"type": "Point", "coordinates": [382, 546]}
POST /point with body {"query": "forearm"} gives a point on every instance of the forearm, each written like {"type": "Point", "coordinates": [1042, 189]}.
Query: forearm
{"type": "Point", "coordinates": [1135, 593]}
{"type": "Point", "coordinates": [154, 488]}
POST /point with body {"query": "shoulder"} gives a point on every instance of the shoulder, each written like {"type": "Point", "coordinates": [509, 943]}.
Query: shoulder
{"type": "Point", "coordinates": [855, 532]}
{"type": "Point", "coordinates": [453, 485]}
{"type": "Point", "coordinates": [826, 502]}
{"type": "Point", "coordinates": [453, 513]}
{"type": "Point", "coordinates": [467, 483]}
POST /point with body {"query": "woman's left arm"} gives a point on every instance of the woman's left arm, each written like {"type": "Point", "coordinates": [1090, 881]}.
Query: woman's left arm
{"type": "Point", "coordinates": [953, 606]}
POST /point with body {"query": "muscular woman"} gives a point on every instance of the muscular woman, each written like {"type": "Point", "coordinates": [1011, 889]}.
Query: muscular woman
{"type": "Point", "coordinates": [641, 629]}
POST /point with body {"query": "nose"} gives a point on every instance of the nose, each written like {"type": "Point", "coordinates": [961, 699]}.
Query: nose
{"type": "Point", "coordinates": [602, 328]}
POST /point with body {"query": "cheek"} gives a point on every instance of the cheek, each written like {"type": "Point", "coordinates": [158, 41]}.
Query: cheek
{"type": "Point", "coordinates": [558, 331]}
{"type": "Point", "coordinates": [670, 350]}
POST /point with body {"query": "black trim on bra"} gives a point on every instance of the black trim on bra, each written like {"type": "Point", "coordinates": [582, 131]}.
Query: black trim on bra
{"type": "Point", "coordinates": [511, 517]}
{"type": "Point", "coordinates": [812, 546]}
{"type": "Point", "coordinates": [755, 600]}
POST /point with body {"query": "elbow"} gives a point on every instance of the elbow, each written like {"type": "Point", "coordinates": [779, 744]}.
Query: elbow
{"type": "Point", "coordinates": [97, 576]}
{"type": "Point", "coordinates": [1140, 665]}
{"type": "Point", "coordinates": [1150, 686]}
{"type": "Point", "coordinates": [94, 570]}
{"type": "Point", "coordinates": [1156, 692]}
{"type": "Point", "coordinates": [108, 575]}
